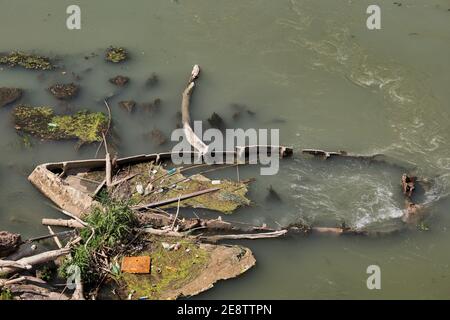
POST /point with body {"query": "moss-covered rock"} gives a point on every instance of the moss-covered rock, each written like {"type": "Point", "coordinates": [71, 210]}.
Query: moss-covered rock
{"type": "Point", "coordinates": [187, 271]}
{"type": "Point", "coordinates": [64, 91]}
{"type": "Point", "coordinates": [27, 61]}
{"type": "Point", "coordinates": [9, 95]}
{"type": "Point", "coordinates": [116, 54]}
{"type": "Point", "coordinates": [43, 123]}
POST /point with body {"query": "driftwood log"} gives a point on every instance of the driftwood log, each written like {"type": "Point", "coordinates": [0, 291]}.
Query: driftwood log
{"type": "Point", "coordinates": [31, 261]}
{"type": "Point", "coordinates": [69, 223]}
{"type": "Point", "coordinates": [191, 137]}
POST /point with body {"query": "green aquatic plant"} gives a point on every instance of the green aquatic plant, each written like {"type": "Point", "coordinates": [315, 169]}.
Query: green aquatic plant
{"type": "Point", "coordinates": [116, 54]}
{"type": "Point", "coordinates": [42, 122]}
{"type": "Point", "coordinates": [422, 226]}
{"type": "Point", "coordinates": [109, 226]}
{"type": "Point", "coordinates": [5, 294]}
{"type": "Point", "coordinates": [27, 61]}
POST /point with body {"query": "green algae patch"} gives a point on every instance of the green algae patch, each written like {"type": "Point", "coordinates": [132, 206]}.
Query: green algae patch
{"type": "Point", "coordinates": [43, 123]}
{"type": "Point", "coordinates": [229, 197]}
{"type": "Point", "coordinates": [116, 54]}
{"type": "Point", "coordinates": [27, 61]}
{"type": "Point", "coordinates": [170, 270]}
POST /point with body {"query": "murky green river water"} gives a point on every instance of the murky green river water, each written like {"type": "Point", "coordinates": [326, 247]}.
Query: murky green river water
{"type": "Point", "coordinates": [311, 69]}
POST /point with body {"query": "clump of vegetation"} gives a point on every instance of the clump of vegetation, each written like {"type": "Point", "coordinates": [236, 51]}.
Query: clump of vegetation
{"type": "Point", "coordinates": [64, 91]}
{"type": "Point", "coordinates": [27, 61]}
{"type": "Point", "coordinates": [45, 273]}
{"type": "Point", "coordinates": [116, 54]}
{"type": "Point", "coordinates": [109, 227]}
{"type": "Point", "coordinates": [42, 122]}
{"type": "Point", "coordinates": [5, 294]}
{"type": "Point", "coordinates": [422, 226]}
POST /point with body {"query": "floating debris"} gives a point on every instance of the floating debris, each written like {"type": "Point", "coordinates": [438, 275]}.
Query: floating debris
{"type": "Point", "coordinates": [116, 54]}
{"type": "Point", "coordinates": [119, 80]}
{"type": "Point", "coordinates": [64, 91]}
{"type": "Point", "coordinates": [27, 61]}
{"type": "Point", "coordinates": [128, 105]}
{"type": "Point", "coordinates": [9, 95]}
{"type": "Point", "coordinates": [188, 271]}
{"type": "Point", "coordinates": [139, 264]}
{"type": "Point", "coordinates": [43, 123]}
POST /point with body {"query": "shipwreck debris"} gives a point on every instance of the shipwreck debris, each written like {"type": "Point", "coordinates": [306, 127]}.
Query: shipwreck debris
{"type": "Point", "coordinates": [185, 272]}
{"type": "Point", "coordinates": [9, 95]}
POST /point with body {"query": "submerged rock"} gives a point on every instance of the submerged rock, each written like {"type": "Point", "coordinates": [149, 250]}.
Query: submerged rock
{"type": "Point", "coordinates": [119, 80]}
{"type": "Point", "coordinates": [116, 54]}
{"type": "Point", "coordinates": [64, 91]}
{"type": "Point", "coordinates": [152, 80]}
{"type": "Point", "coordinates": [43, 123]}
{"type": "Point", "coordinates": [216, 121]}
{"type": "Point", "coordinates": [9, 95]}
{"type": "Point", "coordinates": [27, 61]}
{"type": "Point", "coordinates": [240, 109]}
{"type": "Point", "coordinates": [128, 105]}
{"type": "Point", "coordinates": [153, 106]}
{"type": "Point", "coordinates": [272, 195]}
{"type": "Point", "coordinates": [158, 137]}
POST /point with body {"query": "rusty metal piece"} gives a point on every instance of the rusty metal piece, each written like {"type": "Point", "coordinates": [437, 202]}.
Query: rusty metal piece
{"type": "Point", "coordinates": [139, 264]}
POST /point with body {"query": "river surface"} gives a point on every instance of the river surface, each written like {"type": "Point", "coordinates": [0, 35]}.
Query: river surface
{"type": "Point", "coordinates": [306, 67]}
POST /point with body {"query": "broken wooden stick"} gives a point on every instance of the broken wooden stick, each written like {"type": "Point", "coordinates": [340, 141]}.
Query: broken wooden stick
{"type": "Point", "coordinates": [35, 260]}
{"type": "Point", "coordinates": [172, 200]}
{"type": "Point", "coordinates": [55, 238]}
{"type": "Point", "coordinates": [165, 232]}
{"type": "Point", "coordinates": [191, 137]}
{"type": "Point", "coordinates": [108, 166]}
{"type": "Point", "coordinates": [69, 223]}
{"type": "Point", "coordinates": [248, 236]}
